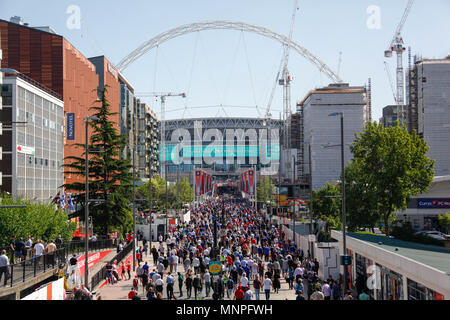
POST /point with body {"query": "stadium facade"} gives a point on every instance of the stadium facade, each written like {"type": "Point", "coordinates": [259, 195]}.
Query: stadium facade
{"type": "Point", "coordinates": [224, 147]}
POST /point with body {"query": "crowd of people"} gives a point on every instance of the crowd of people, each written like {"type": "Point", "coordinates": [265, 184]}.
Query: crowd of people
{"type": "Point", "coordinates": [254, 255]}
{"type": "Point", "coordinates": [31, 251]}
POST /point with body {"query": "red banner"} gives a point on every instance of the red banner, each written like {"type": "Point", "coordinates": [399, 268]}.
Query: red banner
{"type": "Point", "coordinates": [251, 182]}
{"type": "Point", "coordinates": [93, 259]}
{"type": "Point", "coordinates": [198, 182]}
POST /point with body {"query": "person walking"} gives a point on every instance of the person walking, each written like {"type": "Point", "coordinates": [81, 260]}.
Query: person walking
{"type": "Point", "coordinates": [129, 269]}
{"type": "Point", "coordinates": [336, 290]}
{"type": "Point", "coordinates": [326, 290]}
{"type": "Point", "coordinates": [180, 283]}
{"type": "Point", "coordinates": [257, 286]}
{"type": "Point", "coordinates": [50, 250]}
{"type": "Point", "coordinates": [4, 267]}
{"type": "Point", "coordinates": [109, 275]}
{"type": "Point", "coordinates": [239, 293]}
{"type": "Point", "coordinates": [207, 278]}
{"type": "Point", "coordinates": [267, 284]}
{"type": "Point", "coordinates": [197, 285]}
{"type": "Point", "coordinates": [170, 281]}
{"type": "Point", "coordinates": [188, 282]}
{"type": "Point", "coordinates": [38, 252]}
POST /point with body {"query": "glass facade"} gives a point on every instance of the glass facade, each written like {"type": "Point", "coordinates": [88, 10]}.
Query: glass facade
{"type": "Point", "coordinates": [41, 143]}
{"type": "Point", "coordinates": [391, 285]}
{"type": "Point", "coordinates": [417, 291]}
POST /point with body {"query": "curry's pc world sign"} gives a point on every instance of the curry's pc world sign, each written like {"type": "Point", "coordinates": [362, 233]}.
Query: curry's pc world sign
{"type": "Point", "coordinates": [433, 203]}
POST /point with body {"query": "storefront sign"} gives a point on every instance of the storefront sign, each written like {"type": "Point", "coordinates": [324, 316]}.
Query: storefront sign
{"type": "Point", "coordinates": [25, 149]}
{"type": "Point", "coordinates": [71, 126]}
{"type": "Point", "coordinates": [433, 203]}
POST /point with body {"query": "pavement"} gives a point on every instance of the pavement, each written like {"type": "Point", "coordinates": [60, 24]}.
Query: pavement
{"type": "Point", "coordinates": [120, 290]}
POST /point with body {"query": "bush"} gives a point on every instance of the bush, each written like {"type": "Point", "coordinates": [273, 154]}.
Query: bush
{"type": "Point", "coordinates": [39, 220]}
{"type": "Point", "coordinates": [405, 232]}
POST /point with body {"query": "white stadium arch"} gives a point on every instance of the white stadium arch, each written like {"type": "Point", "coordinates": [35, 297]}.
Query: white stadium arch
{"type": "Point", "coordinates": [226, 25]}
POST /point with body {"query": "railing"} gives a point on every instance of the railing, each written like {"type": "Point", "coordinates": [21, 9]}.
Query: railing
{"type": "Point", "coordinates": [101, 274]}
{"type": "Point", "coordinates": [30, 268]}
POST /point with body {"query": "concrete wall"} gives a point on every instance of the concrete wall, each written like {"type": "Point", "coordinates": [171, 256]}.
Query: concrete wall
{"type": "Point", "coordinates": [321, 129]}
{"type": "Point", "coordinates": [432, 278]}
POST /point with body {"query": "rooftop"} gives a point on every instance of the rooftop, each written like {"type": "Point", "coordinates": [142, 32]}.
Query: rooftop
{"type": "Point", "coordinates": [433, 256]}
{"type": "Point", "coordinates": [333, 88]}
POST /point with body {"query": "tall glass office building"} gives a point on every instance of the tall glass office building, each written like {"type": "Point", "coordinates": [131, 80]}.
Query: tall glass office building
{"type": "Point", "coordinates": [33, 144]}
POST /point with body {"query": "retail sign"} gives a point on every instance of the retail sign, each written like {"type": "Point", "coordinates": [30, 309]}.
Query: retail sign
{"type": "Point", "coordinates": [215, 267]}
{"type": "Point", "coordinates": [71, 126]}
{"type": "Point", "coordinates": [25, 149]}
{"type": "Point", "coordinates": [433, 203]}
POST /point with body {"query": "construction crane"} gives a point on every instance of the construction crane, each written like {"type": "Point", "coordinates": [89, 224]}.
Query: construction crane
{"type": "Point", "coordinates": [386, 67]}
{"type": "Point", "coordinates": [285, 78]}
{"type": "Point", "coordinates": [162, 96]}
{"type": "Point", "coordinates": [396, 45]}
{"type": "Point", "coordinates": [339, 63]}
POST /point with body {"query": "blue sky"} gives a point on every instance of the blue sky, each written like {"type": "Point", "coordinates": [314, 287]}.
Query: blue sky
{"type": "Point", "coordinates": [238, 68]}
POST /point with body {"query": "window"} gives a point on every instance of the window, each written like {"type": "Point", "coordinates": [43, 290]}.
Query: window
{"type": "Point", "coordinates": [6, 94]}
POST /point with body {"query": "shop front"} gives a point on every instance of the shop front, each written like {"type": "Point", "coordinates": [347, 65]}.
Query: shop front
{"type": "Point", "coordinates": [417, 291]}
{"type": "Point", "coordinates": [391, 285]}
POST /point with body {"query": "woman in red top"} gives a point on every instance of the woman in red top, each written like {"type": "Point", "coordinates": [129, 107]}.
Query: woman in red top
{"type": "Point", "coordinates": [129, 269]}
{"type": "Point", "coordinates": [239, 293]}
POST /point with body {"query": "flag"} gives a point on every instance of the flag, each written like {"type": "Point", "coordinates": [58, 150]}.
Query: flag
{"type": "Point", "coordinates": [56, 198]}
{"type": "Point", "coordinates": [251, 178]}
{"type": "Point", "coordinates": [198, 179]}
{"type": "Point", "coordinates": [70, 202]}
{"type": "Point", "coordinates": [62, 201]}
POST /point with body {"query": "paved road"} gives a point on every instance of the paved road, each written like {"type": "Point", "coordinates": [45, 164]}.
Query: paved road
{"type": "Point", "coordinates": [120, 290]}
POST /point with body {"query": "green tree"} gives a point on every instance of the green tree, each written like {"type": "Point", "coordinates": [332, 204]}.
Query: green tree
{"type": "Point", "coordinates": [327, 205]}
{"type": "Point", "coordinates": [184, 191]}
{"type": "Point", "coordinates": [392, 165]}
{"type": "Point", "coordinates": [158, 193]}
{"type": "Point", "coordinates": [265, 190]}
{"type": "Point", "coordinates": [444, 221]}
{"type": "Point", "coordinates": [39, 220]}
{"type": "Point", "coordinates": [110, 177]}
{"type": "Point", "coordinates": [360, 200]}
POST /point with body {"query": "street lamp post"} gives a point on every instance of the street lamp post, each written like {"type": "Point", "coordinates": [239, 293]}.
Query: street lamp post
{"type": "Point", "coordinates": [134, 207]}
{"type": "Point", "coordinates": [310, 198]}
{"type": "Point", "coordinates": [344, 260]}
{"type": "Point", "coordinates": [165, 205]}
{"type": "Point", "coordinates": [86, 202]}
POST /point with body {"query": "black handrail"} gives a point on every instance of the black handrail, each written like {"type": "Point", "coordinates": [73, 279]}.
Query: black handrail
{"type": "Point", "coordinates": [101, 274]}
{"type": "Point", "coordinates": [34, 266]}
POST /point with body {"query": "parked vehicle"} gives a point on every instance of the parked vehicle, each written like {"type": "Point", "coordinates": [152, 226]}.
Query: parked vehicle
{"type": "Point", "coordinates": [434, 234]}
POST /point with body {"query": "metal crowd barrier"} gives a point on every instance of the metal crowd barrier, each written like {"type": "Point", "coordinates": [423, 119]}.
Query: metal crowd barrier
{"type": "Point", "coordinates": [33, 266]}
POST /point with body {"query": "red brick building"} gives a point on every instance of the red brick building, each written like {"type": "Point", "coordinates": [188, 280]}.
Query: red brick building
{"type": "Point", "coordinates": [51, 60]}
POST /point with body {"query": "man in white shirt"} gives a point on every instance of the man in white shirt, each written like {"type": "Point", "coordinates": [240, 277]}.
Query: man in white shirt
{"type": "Point", "coordinates": [298, 272]}
{"type": "Point", "coordinates": [196, 264]}
{"type": "Point", "coordinates": [38, 251]}
{"type": "Point", "coordinates": [244, 281]}
{"type": "Point", "coordinates": [159, 285]}
{"type": "Point", "coordinates": [4, 266]}
{"type": "Point", "coordinates": [267, 283]}
{"type": "Point", "coordinates": [326, 290]}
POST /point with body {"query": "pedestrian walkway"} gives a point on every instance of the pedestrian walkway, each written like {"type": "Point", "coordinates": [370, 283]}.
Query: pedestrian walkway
{"type": "Point", "coordinates": [120, 290]}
